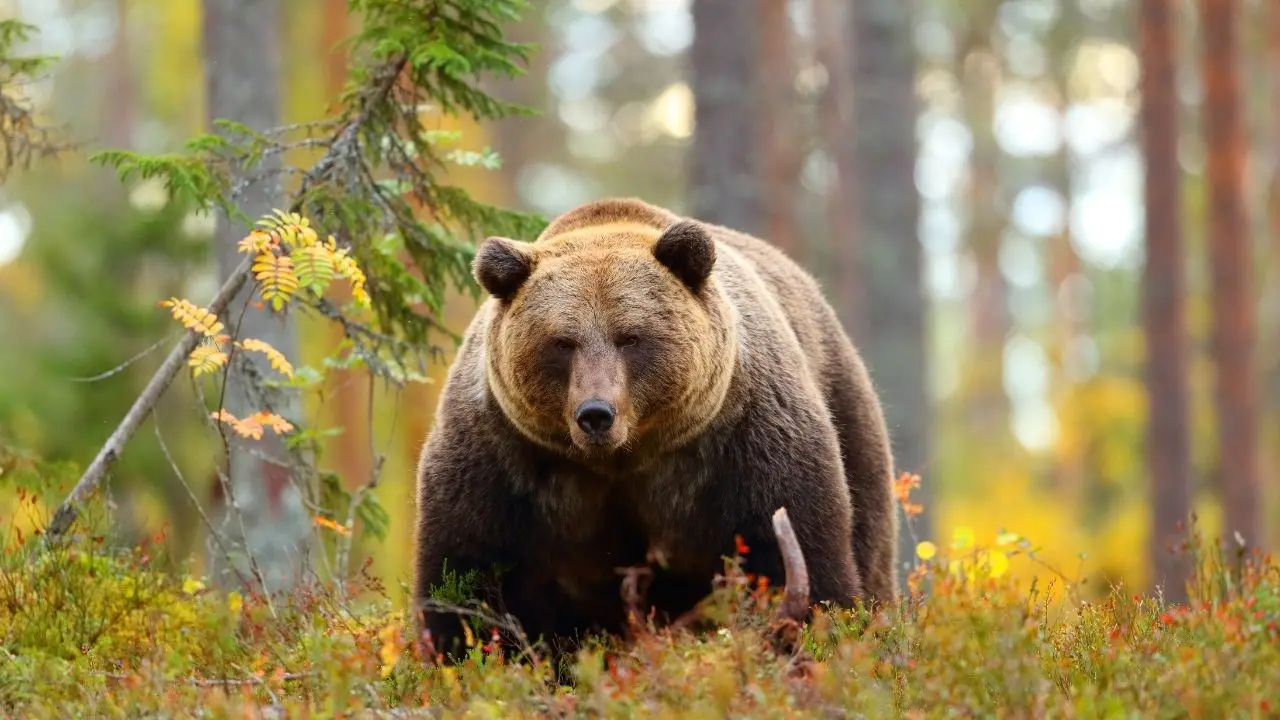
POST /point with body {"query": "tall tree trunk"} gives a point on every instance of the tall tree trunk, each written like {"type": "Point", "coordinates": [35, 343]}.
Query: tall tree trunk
{"type": "Point", "coordinates": [888, 319]}
{"type": "Point", "coordinates": [835, 122]}
{"type": "Point", "coordinates": [122, 95]}
{"type": "Point", "coordinates": [988, 405]}
{"type": "Point", "coordinates": [242, 82]}
{"type": "Point", "coordinates": [352, 454]}
{"type": "Point", "coordinates": [781, 160]}
{"type": "Point", "coordinates": [1272, 66]}
{"type": "Point", "coordinates": [1068, 471]}
{"type": "Point", "coordinates": [724, 169]}
{"type": "Point", "coordinates": [1163, 292]}
{"type": "Point", "coordinates": [1230, 256]}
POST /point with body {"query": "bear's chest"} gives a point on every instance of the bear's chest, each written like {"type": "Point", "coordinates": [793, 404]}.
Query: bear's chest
{"type": "Point", "coordinates": [595, 525]}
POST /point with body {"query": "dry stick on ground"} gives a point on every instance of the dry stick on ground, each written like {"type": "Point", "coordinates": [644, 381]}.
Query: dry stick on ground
{"type": "Point", "coordinates": [795, 595]}
{"type": "Point", "coordinates": [635, 587]}
{"type": "Point", "coordinates": [343, 145]}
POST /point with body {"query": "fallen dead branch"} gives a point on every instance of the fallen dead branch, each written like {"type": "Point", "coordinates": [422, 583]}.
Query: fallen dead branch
{"type": "Point", "coordinates": [794, 610]}
{"type": "Point", "coordinates": [795, 597]}
{"type": "Point", "coordinates": [635, 587]}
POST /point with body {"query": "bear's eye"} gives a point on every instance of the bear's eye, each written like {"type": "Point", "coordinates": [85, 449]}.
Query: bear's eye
{"type": "Point", "coordinates": [564, 344]}
{"type": "Point", "coordinates": [627, 340]}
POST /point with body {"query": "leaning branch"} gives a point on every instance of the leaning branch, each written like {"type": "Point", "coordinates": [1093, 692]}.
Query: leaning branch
{"type": "Point", "coordinates": [342, 147]}
{"type": "Point", "coordinates": [110, 452]}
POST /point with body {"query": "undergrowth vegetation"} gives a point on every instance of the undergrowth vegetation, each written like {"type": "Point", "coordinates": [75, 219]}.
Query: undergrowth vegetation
{"type": "Point", "coordinates": [89, 630]}
{"type": "Point", "coordinates": [98, 626]}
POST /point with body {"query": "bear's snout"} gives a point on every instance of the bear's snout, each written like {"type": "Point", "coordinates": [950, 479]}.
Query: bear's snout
{"type": "Point", "coordinates": [595, 417]}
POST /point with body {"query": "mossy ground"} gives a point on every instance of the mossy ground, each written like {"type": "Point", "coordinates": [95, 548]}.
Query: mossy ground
{"type": "Point", "coordinates": [90, 631]}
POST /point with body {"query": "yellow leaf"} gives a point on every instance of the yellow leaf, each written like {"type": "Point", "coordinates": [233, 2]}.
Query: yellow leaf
{"type": "Point", "coordinates": [315, 267]}
{"type": "Point", "coordinates": [962, 538]}
{"type": "Point", "coordinates": [347, 267]}
{"type": "Point", "coordinates": [206, 358]}
{"type": "Point", "coordinates": [193, 317]}
{"type": "Point", "coordinates": [191, 586]}
{"type": "Point", "coordinates": [998, 563]}
{"type": "Point", "coordinates": [1004, 539]}
{"type": "Point", "coordinates": [256, 242]}
{"type": "Point", "coordinates": [277, 358]}
{"type": "Point", "coordinates": [389, 652]}
{"type": "Point", "coordinates": [275, 273]}
{"type": "Point", "coordinates": [926, 550]}
{"type": "Point", "coordinates": [235, 601]}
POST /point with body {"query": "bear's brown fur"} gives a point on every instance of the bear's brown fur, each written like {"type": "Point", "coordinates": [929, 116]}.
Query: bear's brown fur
{"type": "Point", "coordinates": [732, 390]}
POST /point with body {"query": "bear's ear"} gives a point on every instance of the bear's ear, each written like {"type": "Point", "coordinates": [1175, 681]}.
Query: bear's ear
{"type": "Point", "coordinates": [687, 251]}
{"type": "Point", "coordinates": [501, 266]}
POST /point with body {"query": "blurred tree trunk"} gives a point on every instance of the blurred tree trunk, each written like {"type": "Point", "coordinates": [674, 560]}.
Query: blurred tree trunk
{"type": "Point", "coordinates": [988, 404]}
{"type": "Point", "coordinates": [782, 150]}
{"type": "Point", "coordinates": [242, 82]}
{"type": "Point", "coordinates": [1064, 264]}
{"type": "Point", "coordinates": [725, 182]}
{"type": "Point", "coordinates": [122, 95]}
{"type": "Point", "coordinates": [353, 454]}
{"type": "Point", "coordinates": [887, 316]}
{"type": "Point", "coordinates": [835, 122]}
{"type": "Point", "coordinates": [1272, 123]}
{"type": "Point", "coordinates": [1163, 293]}
{"type": "Point", "coordinates": [1230, 255]}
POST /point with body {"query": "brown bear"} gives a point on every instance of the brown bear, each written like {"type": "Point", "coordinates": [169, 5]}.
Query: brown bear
{"type": "Point", "coordinates": [640, 387]}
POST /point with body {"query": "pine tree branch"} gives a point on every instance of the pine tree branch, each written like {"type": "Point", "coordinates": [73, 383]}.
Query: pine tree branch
{"type": "Point", "coordinates": [344, 145]}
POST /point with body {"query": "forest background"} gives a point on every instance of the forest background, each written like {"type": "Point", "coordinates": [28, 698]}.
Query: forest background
{"type": "Point", "coordinates": [1074, 331]}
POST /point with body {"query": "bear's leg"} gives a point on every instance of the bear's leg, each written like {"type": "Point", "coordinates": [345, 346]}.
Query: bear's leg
{"type": "Point", "coordinates": [833, 575]}
{"type": "Point", "coordinates": [868, 468]}
{"type": "Point", "coordinates": [802, 471]}
{"type": "Point", "coordinates": [456, 579]}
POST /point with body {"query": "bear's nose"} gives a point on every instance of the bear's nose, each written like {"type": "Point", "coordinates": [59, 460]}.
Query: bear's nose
{"type": "Point", "coordinates": [595, 417]}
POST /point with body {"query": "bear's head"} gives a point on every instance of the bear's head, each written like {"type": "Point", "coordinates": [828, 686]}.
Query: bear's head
{"type": "Point", "coordinates": [607, 338]}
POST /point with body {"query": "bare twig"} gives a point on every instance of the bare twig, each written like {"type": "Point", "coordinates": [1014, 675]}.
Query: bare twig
{"type": "Point", "coordinates": [794, 609]}
{"type": "Point", "coordinates": [795, 598]}
{"type": "Point", "coordinates": [110, 452]}
{"type": "Point", "coordinates": [122, 366]}
{"type": "Point", "coordinates": [502, 621]}
{"type": "Point", "coordinates": [357, 499]}
{"type": "Point", "coordinates": [635, 587]}
{"type": "Point", "coordinates": [217, 536]}
{"type": "Point", "coordinates": [344, 145]}
{"type": "Point", "coordinates": [208, 682]}
{"type": "Point", "coordinates": [225, 484]}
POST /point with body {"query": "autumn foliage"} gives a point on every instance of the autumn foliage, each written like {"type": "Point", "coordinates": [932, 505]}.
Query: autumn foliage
{"type": "Point", "coordinates": [87, 631]}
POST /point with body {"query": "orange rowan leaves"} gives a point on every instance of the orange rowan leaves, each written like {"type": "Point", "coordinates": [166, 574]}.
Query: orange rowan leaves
{"type": "Point", "coordinates": [254, 425]}
{"type": "Point", "coordinates": [333, 525]}
{"type": "Point", "coordinates": [902, 488]}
